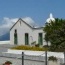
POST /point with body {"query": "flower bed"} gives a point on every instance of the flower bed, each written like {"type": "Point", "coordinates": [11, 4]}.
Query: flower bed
{"type": "Point", "coordinates": [29, 48]}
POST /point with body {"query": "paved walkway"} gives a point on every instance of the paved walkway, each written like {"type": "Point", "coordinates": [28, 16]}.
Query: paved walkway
{"type": "Point", "coordinates": [5, 47]}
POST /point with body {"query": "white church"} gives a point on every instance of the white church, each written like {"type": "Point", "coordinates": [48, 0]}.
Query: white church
{"type": "Point", "coordinates": [22, 33]}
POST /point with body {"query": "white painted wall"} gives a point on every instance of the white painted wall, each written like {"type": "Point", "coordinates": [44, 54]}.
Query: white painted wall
{"type": "Point", "coordinates": [35, 34]}
{"type": "Point", "coordinates": [21, 30]}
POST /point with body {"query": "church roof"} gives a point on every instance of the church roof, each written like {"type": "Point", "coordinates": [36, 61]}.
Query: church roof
{"type": "Point", "coordinates": [33, 27]}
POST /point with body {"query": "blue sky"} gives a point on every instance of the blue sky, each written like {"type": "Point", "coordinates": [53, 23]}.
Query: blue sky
{"type": "Point", "coordinates": [38, 10]}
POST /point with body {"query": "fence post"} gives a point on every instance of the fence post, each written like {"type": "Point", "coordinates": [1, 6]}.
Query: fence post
{"type": "Point", "coordinates": [64, 57]}
{"type": "Point", "coordinates": [22, 58]}
{"type": "Point", "coordinates": [45, 57]}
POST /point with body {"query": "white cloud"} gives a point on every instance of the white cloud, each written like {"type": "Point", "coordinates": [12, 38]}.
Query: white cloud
{"type": "Point", "coordinates": [8, 22]}
{"type": "Point", "coordinates": [29, 21]}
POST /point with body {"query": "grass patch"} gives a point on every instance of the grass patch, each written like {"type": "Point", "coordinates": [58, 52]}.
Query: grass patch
{"type": "Point", "coordinates": [23, 47]}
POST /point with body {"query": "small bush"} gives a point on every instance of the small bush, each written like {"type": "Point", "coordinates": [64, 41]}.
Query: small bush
{"type": "Point", "coordinates": [52, 58]}
{"type": "Point", "coordinates": [8, 62]}
{"type": "Point", "coordinates": [37, 45]}
{"type": "Point", "coordinates": [46, 46]}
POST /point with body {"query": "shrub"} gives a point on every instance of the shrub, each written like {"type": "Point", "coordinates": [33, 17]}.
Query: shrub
{"type": "Point", "coordinates": [46, 46]}
{"type": "Point", "coordinates": [8, 62]}
{"type": "Point", "coordinates": [29, 48]}
{"type": "Point", "coordinates": [37, 45]}
{"type": "Point", "coordinates": [52, 58]}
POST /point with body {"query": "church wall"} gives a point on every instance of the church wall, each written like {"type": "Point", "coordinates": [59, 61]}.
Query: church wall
{"type": "Point", "coordinates": [22, 28]}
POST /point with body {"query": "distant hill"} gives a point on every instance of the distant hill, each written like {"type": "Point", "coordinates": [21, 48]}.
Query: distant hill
{"type": "Point", "coordinates": [5, 37]}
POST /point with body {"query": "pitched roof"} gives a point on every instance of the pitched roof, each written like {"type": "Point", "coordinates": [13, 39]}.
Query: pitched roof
{"type": "Point", "coordinates": [26, 24]}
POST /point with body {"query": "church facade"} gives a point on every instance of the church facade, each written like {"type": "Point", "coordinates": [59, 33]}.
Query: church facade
{"type": "Point", "coordinates": [21, 33]}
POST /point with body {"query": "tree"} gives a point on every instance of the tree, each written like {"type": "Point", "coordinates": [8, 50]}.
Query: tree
{"type": "Point", "coordinates": [55, 34]}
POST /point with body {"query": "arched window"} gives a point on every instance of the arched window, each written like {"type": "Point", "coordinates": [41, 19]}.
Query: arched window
{"type": "Point", "coordinates": [26, 38]}
{"type": "Point", "coordinates": [15, 37]}
{"type": "Point", "coordinates": [15, 31]}
{"type": "Point", "coordinates": [40, 38]}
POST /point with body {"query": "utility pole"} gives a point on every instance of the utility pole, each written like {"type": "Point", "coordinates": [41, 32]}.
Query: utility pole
{"type": "Point", "coordinates": [46, 57]}
{"type": "Point", "coordinates": [22, 58]}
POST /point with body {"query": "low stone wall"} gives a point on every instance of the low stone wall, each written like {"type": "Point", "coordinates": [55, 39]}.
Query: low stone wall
{"type": "Point", "coordinates": [16, 59]}
{"type": "Point", "coordinates": [26, 57]}
{"type": "Point", "coordinates": [30, 57]}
